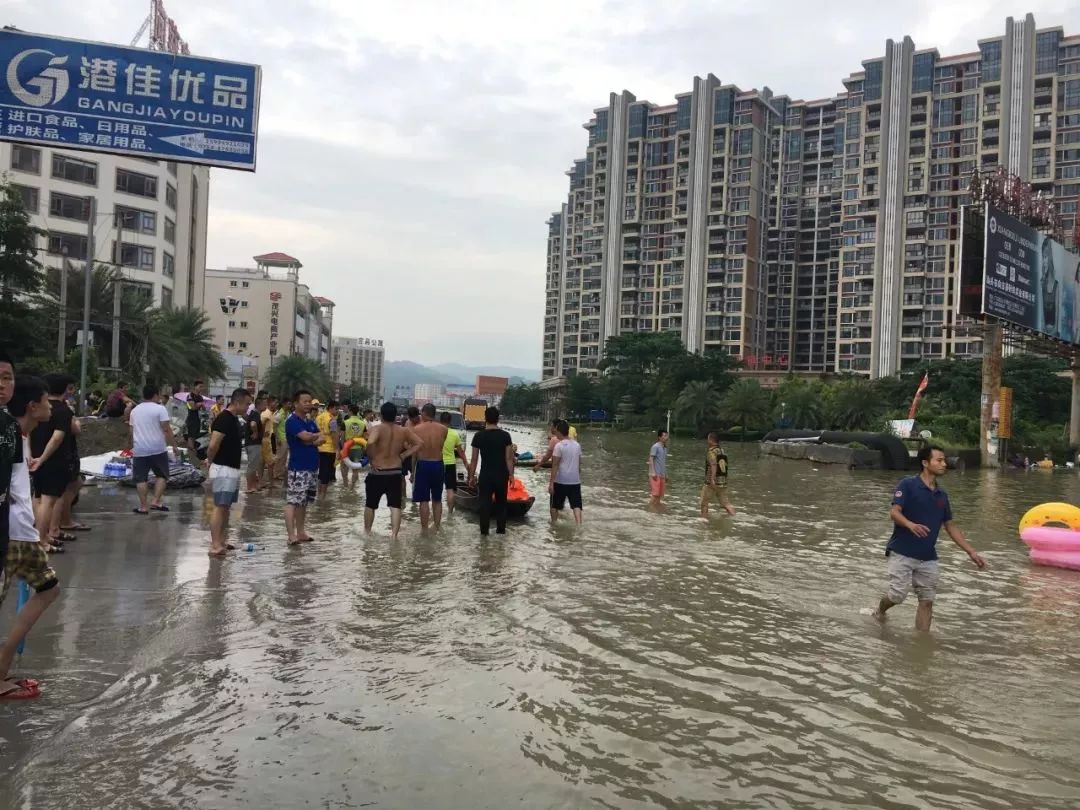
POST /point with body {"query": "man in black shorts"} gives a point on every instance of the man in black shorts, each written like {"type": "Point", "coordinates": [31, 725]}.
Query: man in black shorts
{"type": "Point", "coordinates": [52, 445]}
{"type": "Point", "coordinates": [193, 425]}
{"type": "Point", "coordinates": [389, 447]}
{"type": "Point", "coordinates": [453, 449]}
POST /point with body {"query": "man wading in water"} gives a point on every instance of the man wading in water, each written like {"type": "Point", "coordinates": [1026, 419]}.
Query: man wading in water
{"type": "Point", "coordinates": [390, 447]}
{"type": "Point", "coordinates": [919, 509]}
{"type": "Point", "coordinates": [430, 472]}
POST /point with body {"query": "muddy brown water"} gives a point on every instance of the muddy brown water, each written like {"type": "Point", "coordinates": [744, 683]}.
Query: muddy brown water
{"type": "Point", "coordinates": [647, 659]}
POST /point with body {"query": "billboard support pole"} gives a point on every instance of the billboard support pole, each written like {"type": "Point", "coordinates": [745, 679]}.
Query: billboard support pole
{"type": "Point", "coordinates": [991, 390]}
{"type": "Point", "coordinates": [1074, 406]}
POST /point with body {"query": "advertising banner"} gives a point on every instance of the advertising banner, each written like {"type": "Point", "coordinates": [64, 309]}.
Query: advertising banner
{"type": "Point", "coordinates": [128, 101]}
{"type": "Point", "coordinates": [1030, 280]}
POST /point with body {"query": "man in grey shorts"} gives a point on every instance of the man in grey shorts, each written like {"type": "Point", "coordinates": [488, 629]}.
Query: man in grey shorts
{"type": "Point", "coordinates": [151, 435]}
{"type": "Point", "coordinates": [920, 508]}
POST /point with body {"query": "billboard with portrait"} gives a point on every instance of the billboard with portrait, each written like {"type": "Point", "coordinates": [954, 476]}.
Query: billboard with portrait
{"type": "Point", "coordinates": [1029, 279]}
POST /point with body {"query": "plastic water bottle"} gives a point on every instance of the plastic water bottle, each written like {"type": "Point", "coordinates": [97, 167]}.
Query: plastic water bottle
{"type": "Point", "coordinates": [249, 547]}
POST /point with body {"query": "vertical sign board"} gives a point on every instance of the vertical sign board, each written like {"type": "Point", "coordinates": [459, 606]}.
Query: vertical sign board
{"type": "Point", "coordinates": [1005, 413]}
{"type": "Point", "coordinates": [1030, 279]}
{"type": "Point", "coordinates": [128, 101]}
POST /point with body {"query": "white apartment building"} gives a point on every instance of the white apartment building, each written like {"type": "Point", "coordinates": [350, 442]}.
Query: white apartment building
{"type": "Point", "coordinates": [275, 315]}
{"type": "Point", "coordinates": [359, 360]}
{"type": "Point", "coordinates": [428, 392]}
{"type": "Point", "coordinates": [150, 215]}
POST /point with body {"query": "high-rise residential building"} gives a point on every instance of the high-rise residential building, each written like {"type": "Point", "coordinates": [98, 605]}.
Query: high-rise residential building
{"type": "Point", "coordinates": [816, 236]}
{"type": "Point", "coordinates": [149, 215]}
{"type": "Point", "coordinates": [359, 360]}
{"type": "Point", "coordinates": [275, 315]}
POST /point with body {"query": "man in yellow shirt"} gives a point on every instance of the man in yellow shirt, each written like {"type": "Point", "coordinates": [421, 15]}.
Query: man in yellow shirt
{"type": "Point", "coordinates": [328, 450]}
{"type": "Point", "coordinates": [268, 440]}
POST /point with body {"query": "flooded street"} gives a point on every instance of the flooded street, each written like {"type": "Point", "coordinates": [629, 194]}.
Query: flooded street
{"type": "Point", "coordinates": [646, 659]}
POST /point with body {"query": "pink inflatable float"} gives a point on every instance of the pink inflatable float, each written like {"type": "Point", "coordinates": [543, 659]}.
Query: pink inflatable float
{"type": "Point", "coordinates": [1051, 546]}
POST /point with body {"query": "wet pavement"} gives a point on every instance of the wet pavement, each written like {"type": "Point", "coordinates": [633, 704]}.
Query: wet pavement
{"type": "Point", "coordinates": [647, 659]}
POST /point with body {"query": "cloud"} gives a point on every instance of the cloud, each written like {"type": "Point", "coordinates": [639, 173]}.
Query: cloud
{"type": "Point", "coordinates": [410, 153]}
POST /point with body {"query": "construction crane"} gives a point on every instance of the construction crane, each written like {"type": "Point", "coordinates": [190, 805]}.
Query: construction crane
{"type": "Point", "coordinates": [142, 30]}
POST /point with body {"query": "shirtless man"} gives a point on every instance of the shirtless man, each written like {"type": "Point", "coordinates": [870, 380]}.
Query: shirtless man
{"type": "Point", "coordinates": [428, 478]}
{"type": "Point", "coordinates": [389, 446]}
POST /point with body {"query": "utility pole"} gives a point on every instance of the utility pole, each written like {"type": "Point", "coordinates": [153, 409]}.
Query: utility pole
{"type": "Point", "coordinates": [88, 289]}
{"type": "Point", "coordinates": [118, 291]}
{"type": "Point", "coordinates": [991, 391]}
{"type": "Point", "coordinates": [61, 338]}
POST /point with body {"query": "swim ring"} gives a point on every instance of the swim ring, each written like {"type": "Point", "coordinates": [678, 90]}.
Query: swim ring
{"type": "Point", "coordinates": [1052, 545]}
{"type": "Point", "coordinates": [354, 455]}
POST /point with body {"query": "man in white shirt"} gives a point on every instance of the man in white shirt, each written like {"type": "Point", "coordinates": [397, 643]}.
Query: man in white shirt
{"type": "Point", "coordinates": [26, 558]}
{"type": "Point", "coordinates": [565, 483]}
{"type": "Point", "coordinates": [151, 434]}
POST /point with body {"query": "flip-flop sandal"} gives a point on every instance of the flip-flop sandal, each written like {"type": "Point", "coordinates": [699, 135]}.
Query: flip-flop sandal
{"type": "Point", "coordinates": [161, 508]}
{"type": "Point", "coordinates": [78, 527]}
{"type": "Point", "coordinates": [217, 554]}
{"type": "Point", "coordinates": [54, 549]}
{"type": "Point", "coordinates": [307, 539]}
{"type": "Point", "coordinates": [230, 547]}
{"type": "Point", "coordinates": [138, 511]}
{"type": "Point", "coordinates": [24, 692]}
{"type": "Point", "coordinates": [65, 537]}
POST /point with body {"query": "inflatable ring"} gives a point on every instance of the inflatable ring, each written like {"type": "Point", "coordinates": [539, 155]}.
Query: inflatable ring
{"type": "Point", "coordinates": [1064, 514]}
{"type": "Point", "coordinates": [354, 444]}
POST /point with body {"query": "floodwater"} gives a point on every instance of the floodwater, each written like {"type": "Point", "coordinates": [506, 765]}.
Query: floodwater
{"type": "Point", "coordinates": [647, 659]}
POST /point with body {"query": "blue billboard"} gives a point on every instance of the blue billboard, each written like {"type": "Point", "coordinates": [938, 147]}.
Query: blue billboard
{"type": "Point", "coordinates": [129, 101]}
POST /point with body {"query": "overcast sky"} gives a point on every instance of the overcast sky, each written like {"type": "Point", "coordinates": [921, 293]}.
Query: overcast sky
{"type": "Point", "coordinates": [411, 151]}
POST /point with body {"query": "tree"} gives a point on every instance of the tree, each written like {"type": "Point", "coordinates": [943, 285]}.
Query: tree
{"type": "Point", "coordinates": [580, 395]}
{"type": "Point", "coordinates": [357, 393]}
{"type": "Point", "coordinates": [856, 405]}
{"type": "Point", "coordinates": [290, 374]}
{"type": "Point", "coordinates": [698, 403]}
{"type": "Point", "coordinates": [801, 404]}
{"type": "Point", "coordinates": [746, 403]}
{"type": "Point", "coordinates": [20, 274]}
{"type": "Point", "coordinates": [179, 347]}
{"type": "Point", "coordinates": [522, 400]}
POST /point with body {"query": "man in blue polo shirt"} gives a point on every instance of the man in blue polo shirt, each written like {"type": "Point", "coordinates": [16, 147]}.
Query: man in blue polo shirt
{"type": "Point", "coordinates": [919, 511]}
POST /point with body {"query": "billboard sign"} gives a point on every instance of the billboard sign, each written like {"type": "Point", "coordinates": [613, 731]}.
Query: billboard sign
{"type": "Point", "coordinates": [128, 101]}
{"type": "Point", "coordinates": [1030, 279]}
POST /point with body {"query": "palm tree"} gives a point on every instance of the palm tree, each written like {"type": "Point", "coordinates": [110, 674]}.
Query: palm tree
{"type": "Point", "coordinates": [698, 403]}
{"type": "Point", "coordinates": [746, 403]}
{"type": "Point", "coordinates": [802, 404]}
{"type": "Point", "coordinates": [179, 345]}
{"type": "Point", "coordinates": [856, 405]}
{"type": "Point", "coordinates": [290, 374]}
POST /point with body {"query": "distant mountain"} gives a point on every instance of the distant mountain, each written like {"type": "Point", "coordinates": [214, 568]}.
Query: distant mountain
{"type": "Point", "coordinates": [405, 372]}
{"type": "Point", "coordinates": [470, 373]}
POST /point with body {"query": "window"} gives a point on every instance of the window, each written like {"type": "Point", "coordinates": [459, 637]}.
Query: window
{"type": "Point", "coordinates": [25, 159]}
{"type": "Point", "coordinates": [232, 325]}
{"type": "Point", "coordinates": [168, 265]}
{"type": "Point", "coordinates": [243, 344]}
{"type": "Point", "coordinates": [170, 231]}
{"type": "Point", "coordinates": [171, 166]}
{"type": "Point", "coordinates": [170, 196]}
{"type": "Point", "coordinates": [243, 305]}
{"type": "Point", "coordinates": [243, 324]}
{"type": "Point", "coordinates": [245, 284]}
{"type": "Point", "coordinates": [72, 245]}
{"type": "Point", "coordinates": [139, 256]}
{"type": "Point", "coordinates": [166, 298]}
{"type": "Point", "coordinates": [232, 344]}
{"type": "Point", "coordinates": [134, 219]}
{"type": "Point", "coordinates": [77, 171]}
{"type": "Point", "coordinates": [66, 206]}
{"type": "Point", "coordinates": [30, 197]}
{"type": "Point", "coordinates": [232, 283]}
{"type": "Point", "coordinates": [142, 185]}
